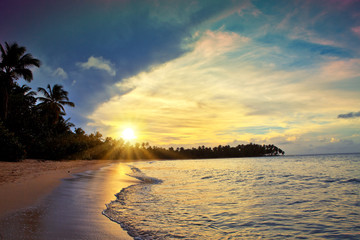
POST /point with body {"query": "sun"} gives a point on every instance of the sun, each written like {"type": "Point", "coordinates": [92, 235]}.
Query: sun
{"type": "Point", "coordinates": [128, 134]}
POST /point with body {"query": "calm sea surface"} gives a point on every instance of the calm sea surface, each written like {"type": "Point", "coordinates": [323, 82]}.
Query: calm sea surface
{"type": "Point", "coordinates": [291, 197]}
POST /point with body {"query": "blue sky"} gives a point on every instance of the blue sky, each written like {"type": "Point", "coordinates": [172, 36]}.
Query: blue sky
{"type": "Point", "coordinates": [188, 73]}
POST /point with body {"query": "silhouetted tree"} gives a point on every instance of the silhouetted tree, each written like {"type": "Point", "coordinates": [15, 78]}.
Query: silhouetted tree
{"type": "Point", "coordinates": [79, 132]}
{"type": "Point", "coordinates": [53, 102]}
{"type": "Point", "coordinates": [15, 64]}
{"type": "Point", "coordinates": [40, 131]}
{"type": "Point", "coordinates": [10, 147]}
{"type": "Point", "coordinates": [22, 119]}
{"type": "Point", "coordinates": [64, 125]}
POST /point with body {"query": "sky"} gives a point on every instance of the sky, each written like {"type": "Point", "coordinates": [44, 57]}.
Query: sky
{"type": "Point", "coordinates": [189, 73]}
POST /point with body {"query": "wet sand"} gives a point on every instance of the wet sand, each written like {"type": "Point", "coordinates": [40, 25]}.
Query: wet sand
{"type": "Point", "coordinates": [37, 206]}
{"type": "Point", "coordinates": [24, 183]}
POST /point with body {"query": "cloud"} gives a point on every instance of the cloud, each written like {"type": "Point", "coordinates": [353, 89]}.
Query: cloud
{"type": "Point", "coordinates": [224, 42]}
{"type": "Point", "coordinates": [223, 85]}
{"type": "Point", "coordinates": [99, 63]}
{"type": "Point", "coordinates": [176, 98]}
{"type": "Point", "coordinates": [59, 72]}
{"type": "Point", "coordinates": [340, 70]}
{"type": "Point", "coordinates": [293, 65]}
{"type": "Point", "coordinates": [356, 30]}
{"type": "Point", "coordinates": [349, 115]}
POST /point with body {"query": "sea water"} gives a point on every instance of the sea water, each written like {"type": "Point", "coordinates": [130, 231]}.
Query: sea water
{"type": "Point", "coordinates": [287, 197]}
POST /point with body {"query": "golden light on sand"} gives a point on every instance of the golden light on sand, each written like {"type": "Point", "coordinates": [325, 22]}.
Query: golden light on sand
{"type": "Point", "coordinates": [128, 134]}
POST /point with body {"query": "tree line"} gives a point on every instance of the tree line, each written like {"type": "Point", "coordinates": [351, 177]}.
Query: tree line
{"type": "Point", "coordinates": [33, 124]}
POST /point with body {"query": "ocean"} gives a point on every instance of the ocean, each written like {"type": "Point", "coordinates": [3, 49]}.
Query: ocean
{"type": "Point", "coordinates": [284, 197]}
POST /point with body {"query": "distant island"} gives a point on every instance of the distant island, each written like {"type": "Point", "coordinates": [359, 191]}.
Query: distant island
{"type": "Point", "coordinates": [35, 127]}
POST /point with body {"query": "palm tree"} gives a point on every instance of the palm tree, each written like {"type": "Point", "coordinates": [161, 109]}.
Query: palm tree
{"type": "Point", "coordinates": [14, 64]}
{"type": "Point", "coordinates": [25, 92]}
{"type": "Point", "coordinates": [54, 101]}
{"type": "Point", "coordinates": [20, 104]}
{"type": "Point", "coordinates": [64, 126]}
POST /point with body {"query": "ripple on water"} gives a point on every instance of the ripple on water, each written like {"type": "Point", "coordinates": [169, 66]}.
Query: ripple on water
{"type": "Point", "coordinates": [266, 198]}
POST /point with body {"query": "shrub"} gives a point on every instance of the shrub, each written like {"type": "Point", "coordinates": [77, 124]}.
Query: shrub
{"type": "Point", "coordinates": [10, 147]}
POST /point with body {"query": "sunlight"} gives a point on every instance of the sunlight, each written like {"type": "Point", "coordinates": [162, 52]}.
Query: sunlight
{"type": "Point", "coordinates": [128, 134]}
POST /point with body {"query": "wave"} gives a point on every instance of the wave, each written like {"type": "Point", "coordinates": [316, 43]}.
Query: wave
{"type": "Point", "coordinates": [138, 174]}
{"type": "Point", "coordinates": [197, 200]}
{"type": "Point", "coordinates": [353, 180]}
{"type": "Point", "coordinates": [207, 177]}
{"type": "Point", "coordinates": [111, 212]}
{"type": "Point", "coordinates": [342, 180]}
{"type": "Point", "coordinates": [112, 209]}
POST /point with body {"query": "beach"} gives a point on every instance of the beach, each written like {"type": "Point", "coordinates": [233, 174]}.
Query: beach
{"type": "Point", "coordinates": [36, 202]}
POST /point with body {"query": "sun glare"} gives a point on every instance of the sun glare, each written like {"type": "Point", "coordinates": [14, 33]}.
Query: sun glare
{"type": "Point", "coordinates": [128, 134]}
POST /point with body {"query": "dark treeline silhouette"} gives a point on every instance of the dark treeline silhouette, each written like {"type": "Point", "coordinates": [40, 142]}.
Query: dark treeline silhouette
{"type": "Point", "coordinates": [33, 126]}
{"type": "Point", "coordinates": [118, 149]}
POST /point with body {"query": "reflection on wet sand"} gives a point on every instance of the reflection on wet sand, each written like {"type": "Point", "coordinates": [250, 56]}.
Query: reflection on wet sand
{"type": "Point", "coordinates": [73, 210]}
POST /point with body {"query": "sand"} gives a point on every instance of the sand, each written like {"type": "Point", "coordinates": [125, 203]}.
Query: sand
{"type": "Point", "coordinates": [29, 199]}
{"type": "Point", "coordinates": [24, 183]}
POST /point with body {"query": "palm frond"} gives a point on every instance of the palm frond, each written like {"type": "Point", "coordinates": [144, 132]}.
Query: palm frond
{"type": "Point", "coordinates": [68, 123]}
{"type": "Point", "coordinates": [28, 61]}
{"type": "Point", "coordinates": [24, 73]}
{"type": "Point", "coordinates": [50, 91]}
{"type": "Point", "coordinates": [71, 104]}
{"type": "Point", "coordinates": [26, 90]}
{"type": "Point", "coordinates": [43, 100]}
{"type": "Point", "coordinates": [44, 92]}
{"type": "Point", "coordinates": [14, 53]}
{"type": "Point", "coordinates": [31, 94]}
{"type": "Point", "coordinates": [3, 53]}
{"type": "Point", "coordinates": [61, 107]}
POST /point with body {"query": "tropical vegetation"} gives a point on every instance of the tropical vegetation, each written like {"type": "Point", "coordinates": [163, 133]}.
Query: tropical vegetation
{"type": "Point", "coordinates": [53, 102]}
{"type": "Point", "coordinates": [34, 126]}
{"type": "Point", "coordinates": [15, 63]}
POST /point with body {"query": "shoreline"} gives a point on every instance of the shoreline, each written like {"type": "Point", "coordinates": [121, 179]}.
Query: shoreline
{"type": "Point", "coordinates": [23, 184]}
{"type": "Point", "coordinates": [33, 186]}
